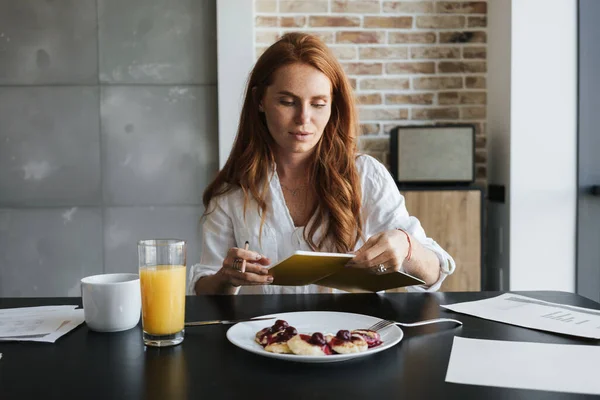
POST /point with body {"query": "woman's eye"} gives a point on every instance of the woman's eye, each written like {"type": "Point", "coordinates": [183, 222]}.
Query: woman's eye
{"type": "Point", "coordinates": [319, 105]}
{"type": "Point", "coordinates": [286, 103]}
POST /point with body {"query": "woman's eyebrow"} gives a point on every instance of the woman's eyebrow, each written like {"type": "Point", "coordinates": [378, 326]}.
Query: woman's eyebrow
{"type": "Point", "coordinates": [319, 96]}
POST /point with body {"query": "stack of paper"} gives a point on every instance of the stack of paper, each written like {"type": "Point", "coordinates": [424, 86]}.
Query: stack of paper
{"type": "Point", "coordinates": [38, 324]}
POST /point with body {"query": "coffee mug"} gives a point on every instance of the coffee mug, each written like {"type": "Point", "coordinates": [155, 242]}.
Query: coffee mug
{"type": "Point", "coordinates": [111, 302]}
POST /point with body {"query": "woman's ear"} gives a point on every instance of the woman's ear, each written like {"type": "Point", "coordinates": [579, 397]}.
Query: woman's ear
{"type": "Point", "coordinates": [260, 106]}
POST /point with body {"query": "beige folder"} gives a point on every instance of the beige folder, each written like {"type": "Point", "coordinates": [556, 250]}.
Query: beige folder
{"type": "Point", "coordinates": [328, 269]}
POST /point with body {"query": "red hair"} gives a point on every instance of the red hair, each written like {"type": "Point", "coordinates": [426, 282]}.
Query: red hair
{"type": "Point", "coordinates": [332, 167]}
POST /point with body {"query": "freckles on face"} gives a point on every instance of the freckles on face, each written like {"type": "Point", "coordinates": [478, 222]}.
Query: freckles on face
{"type": "Point", "coordinates": [297, 108]}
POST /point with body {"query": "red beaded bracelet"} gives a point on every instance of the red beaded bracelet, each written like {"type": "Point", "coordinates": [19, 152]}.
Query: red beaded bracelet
{"type": "Point", "coordinates": [409, 244]}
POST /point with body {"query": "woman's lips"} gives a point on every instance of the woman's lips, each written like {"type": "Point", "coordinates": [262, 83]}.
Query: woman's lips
{"type": "Point", "coordinates": [301, 135]}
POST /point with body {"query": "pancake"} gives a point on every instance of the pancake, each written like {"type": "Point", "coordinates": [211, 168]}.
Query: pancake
{"type": "Point", "coordinates": [371, 337]}
{"type": "Point", "coordinates": [274, 339]}
{"type": "Point", "coordinates": [261, 336]}
{"type": "Point", "coordinates": [305, 345]}
{"type": "Point", "coordinates": [279, 347]}
{"type": "Point", "coordinates": [346, 343]}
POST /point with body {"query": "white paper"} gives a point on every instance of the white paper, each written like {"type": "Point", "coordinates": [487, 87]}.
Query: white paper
{"type": "Point", "coordinates": [63, 318]}
{"type": "Point", "coordinates": [25, 311]}
{"type": "Point", "coordinates": [72, 320]}
{"type": "Point", "coordinates": [533, 313]}
{"type": "Point", "coordinates": [522, 365]}
{"type": "Point", "coordinates": [13, 326]}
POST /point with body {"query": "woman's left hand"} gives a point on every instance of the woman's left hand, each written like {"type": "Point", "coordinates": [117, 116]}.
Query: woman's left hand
{"type": "Point", "coordinates": [383, 253]}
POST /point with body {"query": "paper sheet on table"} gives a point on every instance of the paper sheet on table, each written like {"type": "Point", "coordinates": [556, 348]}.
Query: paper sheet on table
{"type": "Point", "coordinates": [17, 325]}
{"type": "Point", "coordinates": [521, 365]}
{"type": "Point", "coordinates": [66, 319]}
{"type": "Point", "coordinates": [25, 311]}
{"type": "Point", "coordinates": [532, 313]}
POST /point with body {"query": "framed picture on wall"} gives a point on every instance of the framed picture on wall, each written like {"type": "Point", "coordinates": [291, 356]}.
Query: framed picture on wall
{"type": "Point", "coordinates": [434, 154]}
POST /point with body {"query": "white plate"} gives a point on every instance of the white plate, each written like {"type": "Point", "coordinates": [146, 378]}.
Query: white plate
{"type": "Point", "coordinates": [308, 322]}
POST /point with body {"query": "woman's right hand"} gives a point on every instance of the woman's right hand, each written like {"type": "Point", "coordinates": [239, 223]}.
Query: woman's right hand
{"type": "Point", "coordinates": [254, 274]}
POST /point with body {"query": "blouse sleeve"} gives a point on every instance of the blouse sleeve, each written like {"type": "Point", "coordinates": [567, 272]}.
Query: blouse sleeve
{"type": "Point", "coordinates": [384, 209]}
{"type": "Point", "coordinates": [217, 238]}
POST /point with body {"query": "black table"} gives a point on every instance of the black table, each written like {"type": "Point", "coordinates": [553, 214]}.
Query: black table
{"type": "Point", "coordinates": [89, 365]}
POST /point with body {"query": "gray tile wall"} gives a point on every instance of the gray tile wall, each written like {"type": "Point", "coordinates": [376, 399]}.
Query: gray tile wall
{"type": "Point", "coordinates": [108, 135]}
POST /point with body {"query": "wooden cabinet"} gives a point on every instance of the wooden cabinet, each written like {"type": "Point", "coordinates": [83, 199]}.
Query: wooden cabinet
{"type": "Point", "coordinates": [453, 219]}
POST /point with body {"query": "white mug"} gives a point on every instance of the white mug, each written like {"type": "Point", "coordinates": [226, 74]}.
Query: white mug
{"type": "Point", "coordinates": [111, 302]}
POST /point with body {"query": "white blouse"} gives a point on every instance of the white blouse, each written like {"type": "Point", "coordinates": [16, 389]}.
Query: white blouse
{"type": "Point", "coordinates": [383, 209]}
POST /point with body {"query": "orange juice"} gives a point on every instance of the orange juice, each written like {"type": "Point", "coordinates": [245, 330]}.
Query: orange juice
{"type": "Point", "coordinates": [163, 299]}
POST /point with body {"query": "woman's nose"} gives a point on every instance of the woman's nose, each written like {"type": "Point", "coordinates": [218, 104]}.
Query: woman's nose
{"type": "Point", "coordinates": [303, 115]}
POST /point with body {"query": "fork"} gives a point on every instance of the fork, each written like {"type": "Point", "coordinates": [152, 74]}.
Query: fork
{"type": "Point", "coordinates": [384, 323]}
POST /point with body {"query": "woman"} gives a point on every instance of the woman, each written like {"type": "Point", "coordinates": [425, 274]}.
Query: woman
{"type": "Point", "coordinates": [294, 181]}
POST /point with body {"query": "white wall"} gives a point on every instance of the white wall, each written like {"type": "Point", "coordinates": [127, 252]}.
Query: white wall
{"type": "Point", "coordinates": [543, 144]}
{"type": "Point", "coordinates": [541, 132]}
{"type": "Point", "coordinates": [499, 118]}
{"type": "Point", "coordinates": [235, 59]}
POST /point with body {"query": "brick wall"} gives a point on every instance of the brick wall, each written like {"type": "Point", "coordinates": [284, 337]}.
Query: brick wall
{"type": "Point", "coordinates": [410, 62]}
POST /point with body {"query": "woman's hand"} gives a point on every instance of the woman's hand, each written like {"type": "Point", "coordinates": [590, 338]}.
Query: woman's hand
{"type": "Point", "coordinates": [233, 275]}
{"type": "Point", "coordinates": [389, 251]}
{"type": "Point", "coordinates": [383, 253]}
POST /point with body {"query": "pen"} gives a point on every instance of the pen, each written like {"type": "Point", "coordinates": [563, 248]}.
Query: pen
{"type": "Point", "coordinates": [243, 268]}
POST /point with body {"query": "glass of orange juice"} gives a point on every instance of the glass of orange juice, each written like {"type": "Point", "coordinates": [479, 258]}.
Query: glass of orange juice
{"type": "Point", "coordinates": [162, 280]}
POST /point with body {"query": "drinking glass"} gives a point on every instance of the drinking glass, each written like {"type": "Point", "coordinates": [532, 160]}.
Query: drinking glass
{"type": "Point", "coordinates": [162, 265]}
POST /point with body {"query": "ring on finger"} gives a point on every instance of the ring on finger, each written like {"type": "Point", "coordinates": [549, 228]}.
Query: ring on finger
{"type": "Point", "coordinates": [381, 269]}
{"type": "Point", "coordinates": [237, 264]}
